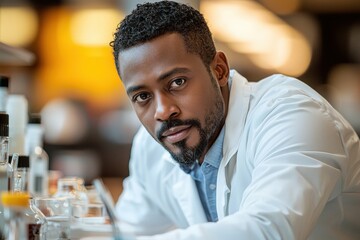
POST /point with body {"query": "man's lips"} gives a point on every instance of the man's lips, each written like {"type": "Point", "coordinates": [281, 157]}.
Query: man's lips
{"type": "Point", "coordinates": [176, 134]}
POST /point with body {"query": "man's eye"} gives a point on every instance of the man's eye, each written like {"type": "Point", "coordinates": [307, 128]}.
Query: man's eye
{"type": "Point", "coordinates": [177, 83]}
{"type": "Point", "coordinates": [141, 97]}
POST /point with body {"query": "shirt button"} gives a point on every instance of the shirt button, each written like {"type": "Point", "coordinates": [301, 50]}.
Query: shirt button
{"type": "Point", "coordinates": [212, 186]}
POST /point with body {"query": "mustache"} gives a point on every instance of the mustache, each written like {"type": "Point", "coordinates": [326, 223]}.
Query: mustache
{"type": "Point", "coordinates": [166, 125]}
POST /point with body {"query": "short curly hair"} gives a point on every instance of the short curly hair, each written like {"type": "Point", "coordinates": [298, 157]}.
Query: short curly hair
{"type": "Point", "coordinates": [151, 20]}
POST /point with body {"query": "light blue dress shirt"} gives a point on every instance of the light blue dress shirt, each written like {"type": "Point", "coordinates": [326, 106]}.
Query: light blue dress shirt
{"type": "Point", "coordinates": [205, 176]}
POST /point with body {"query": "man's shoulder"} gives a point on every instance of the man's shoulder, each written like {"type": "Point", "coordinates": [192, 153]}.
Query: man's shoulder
{"type": "Point", "coordinates": [277, 81]}
{"type": "Point", "coordinates": [279, 86]}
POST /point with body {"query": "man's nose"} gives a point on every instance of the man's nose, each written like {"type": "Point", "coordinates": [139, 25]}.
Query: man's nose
{"type": "Point", "coordinates": [166, 108]}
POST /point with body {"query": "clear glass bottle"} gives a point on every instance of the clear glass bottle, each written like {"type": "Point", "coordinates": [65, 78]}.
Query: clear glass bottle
{"type": "Point", "coordinates": [39, 159]}
{"type": "Point", "coordinates": [39, 172]}
{"type": "Point", "coordinates": [17, 108]}
{"type": "Point", "coordinates": [23, 219]}
{"type": "Point", "coordinates": [20, 181]}
{"type": "Point", "coordinates": [4, 91]}
{"type": "Point", "coordinates": [6, 171]}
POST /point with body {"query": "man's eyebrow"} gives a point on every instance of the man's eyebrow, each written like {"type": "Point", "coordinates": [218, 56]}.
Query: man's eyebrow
{"type": "Point", "coordinates": [133, 89]}
{"type": "Point", "coordinates": [160, 78]}
{"type": "Point", "coordinates": [172, 72]}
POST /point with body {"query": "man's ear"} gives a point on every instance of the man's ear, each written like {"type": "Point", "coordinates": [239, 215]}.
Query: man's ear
{"type": "Point", "coordinates": [221, 68]}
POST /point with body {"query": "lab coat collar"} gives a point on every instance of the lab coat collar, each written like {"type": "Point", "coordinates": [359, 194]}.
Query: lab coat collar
{"type": "Point", "coordinates": [184, 190]}
{"type": "Point", "coordinates": [235, 121]}
{"type": "Point", "coordinates": [236, 116]}
{"type": "Point", "coordinates": [186, 193]}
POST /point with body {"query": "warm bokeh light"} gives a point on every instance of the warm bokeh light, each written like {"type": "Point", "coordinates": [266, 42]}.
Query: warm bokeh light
{"type": "Point", "coordinates": [68, 69]}
{"type": "Point", "coordinates": [18, 25]}
{"type": "Point", "coordinates": [287, 53]}
{"type": "Point", "coordinates": [94, 26]}
{"type": "Point", "coordinates": [233, 21]}
{"type": "Point", "coordinates": [265, 39]}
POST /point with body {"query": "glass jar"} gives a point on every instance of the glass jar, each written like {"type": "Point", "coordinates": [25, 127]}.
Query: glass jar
{"type": "Point", "coordinates": [74, 189]}
{"type": "Point", "coordinates": [23, 220]}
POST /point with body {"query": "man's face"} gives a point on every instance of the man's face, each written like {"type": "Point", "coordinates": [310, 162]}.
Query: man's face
{"type": "Point", "coordinates": [175, 97]}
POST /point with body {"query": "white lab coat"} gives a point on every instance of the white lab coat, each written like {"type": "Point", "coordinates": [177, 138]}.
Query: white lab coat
{"type": "Point", "coordinates": [290, 170]}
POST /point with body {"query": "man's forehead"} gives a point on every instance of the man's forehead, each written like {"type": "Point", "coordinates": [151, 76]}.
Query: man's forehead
{"type": "Point", "coordinates": [167, 49]}
{"type": "Point", "coordinates": [127, 59]}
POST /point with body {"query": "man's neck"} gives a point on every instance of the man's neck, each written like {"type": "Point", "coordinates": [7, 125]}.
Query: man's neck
{"type": "Point", "coordinates": [225, 91]}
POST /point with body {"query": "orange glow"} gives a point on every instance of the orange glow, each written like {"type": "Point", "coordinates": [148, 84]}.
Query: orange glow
{"type": "Point", "coordinates": [84, 22]}
{"type": "Point", "coordinates": [18, 25]}
{"type": "Point", "coordinates": [68, 69]}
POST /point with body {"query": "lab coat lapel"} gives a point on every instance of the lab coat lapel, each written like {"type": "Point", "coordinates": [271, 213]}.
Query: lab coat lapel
{"type": "Point", "coordinates": [237, 112]}
{"type": "Point", "coordinates": [186, 194]}
{"type": "Point", "coordinates": [234, 125]}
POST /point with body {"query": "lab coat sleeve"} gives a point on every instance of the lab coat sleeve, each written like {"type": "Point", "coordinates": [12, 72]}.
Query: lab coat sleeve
{"type": "Point", "coordinates": [137, 213]}
{"type": "Point", "coordinates": [295, 155]}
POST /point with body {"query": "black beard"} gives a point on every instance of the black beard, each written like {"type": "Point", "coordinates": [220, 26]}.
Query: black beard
{"type": "Point", "coordinates": [187, 155]}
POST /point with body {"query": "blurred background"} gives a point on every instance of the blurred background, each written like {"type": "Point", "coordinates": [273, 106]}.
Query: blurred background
{"type": "Point", "coordinates": [57, 54]}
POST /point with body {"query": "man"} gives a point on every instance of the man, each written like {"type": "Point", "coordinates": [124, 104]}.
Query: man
{"type": "Point", "coordinates": [219, 157]}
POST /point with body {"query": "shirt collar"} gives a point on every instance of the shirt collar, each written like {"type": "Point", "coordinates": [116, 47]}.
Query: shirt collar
{"type": "Point", "coordinates": [214, 155]}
